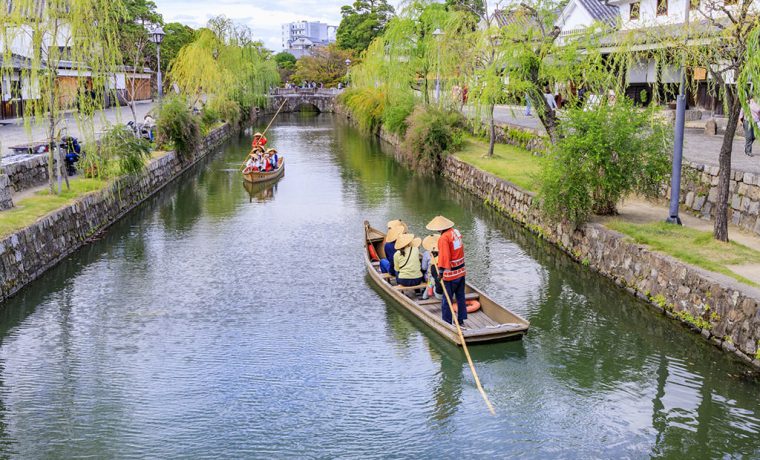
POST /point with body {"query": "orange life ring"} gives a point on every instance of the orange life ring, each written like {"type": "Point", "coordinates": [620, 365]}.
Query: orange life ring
{"type": "Point", "coordinates": [472, 306]}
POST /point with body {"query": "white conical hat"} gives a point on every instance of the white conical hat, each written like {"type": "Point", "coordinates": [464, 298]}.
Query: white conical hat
{"type": "Point", "coordinates": [404, 240]}
{"type": "Point", "coordinates": [439, 224]}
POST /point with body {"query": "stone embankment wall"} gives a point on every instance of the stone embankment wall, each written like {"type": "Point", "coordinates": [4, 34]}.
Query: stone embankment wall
{"type": "Point", "coordinates": [724, 311]}
{"type": "Point", "coordinates": [6, 201]}
{"type": "Point", "coordinates": [27, 173]}
{"type": "Point", "coordinates": [699, 193]}
{"type": "Point", "coordinates": [28, 253]}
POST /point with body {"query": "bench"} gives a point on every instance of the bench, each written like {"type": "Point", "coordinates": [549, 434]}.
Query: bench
{"type": "Point", "coordinates": [410, 288]}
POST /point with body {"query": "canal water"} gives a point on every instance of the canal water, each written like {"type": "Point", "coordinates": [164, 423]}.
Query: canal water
{"type": "Point", "coordinates": [219, 321]}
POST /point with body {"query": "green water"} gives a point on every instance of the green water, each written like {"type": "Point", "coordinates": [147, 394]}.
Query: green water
{"type": "Point", "coordinates": [213, 322]}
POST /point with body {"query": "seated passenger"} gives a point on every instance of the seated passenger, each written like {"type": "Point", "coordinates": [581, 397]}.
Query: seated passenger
{"type": "Point", "coordinates": [390, 250]}
{"type": "Point", "coordinates": [406, 260]}
{"type": "Point", "coordinates": [273, 158]}
{"type": "Point", "coordinates": [267, 163]}
{"type": "Point", "coordinates": [429, 267]}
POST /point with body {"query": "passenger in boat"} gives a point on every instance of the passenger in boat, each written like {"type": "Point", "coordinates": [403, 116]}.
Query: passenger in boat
{"type": "Point", "coordinates": [267, 165]}
{"type": "Point", "coordinates": [273, 158]}
{"type": "Point", "coordinates": [451, 266]}
{"type": "Point", "coordinates": [429, 268]}
{"type": "Point", "coordinates": [406, 260]}
{"type": "Point", "coordinates": [386, 265]}
{"type": "Point", "coordinates": [258, 141]}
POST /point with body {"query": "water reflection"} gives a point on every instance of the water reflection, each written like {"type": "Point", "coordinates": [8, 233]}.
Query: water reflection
{"type": "Point", "coordinates": [260, 192]}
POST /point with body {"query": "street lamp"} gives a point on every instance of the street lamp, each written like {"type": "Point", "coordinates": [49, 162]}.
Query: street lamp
{"type": "Point", "coordinates": [437, 34]}
{"type": "Point", "coordinates": [348, 69]}
{"type": "Point", "coordinates": [157, 36]}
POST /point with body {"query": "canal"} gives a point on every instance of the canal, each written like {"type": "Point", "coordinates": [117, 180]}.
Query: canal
{"type": "Point", "coordinates": [220, 321]}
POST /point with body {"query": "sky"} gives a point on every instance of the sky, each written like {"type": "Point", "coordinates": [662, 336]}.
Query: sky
{"type": "Point", "coordinates": [264, 17]}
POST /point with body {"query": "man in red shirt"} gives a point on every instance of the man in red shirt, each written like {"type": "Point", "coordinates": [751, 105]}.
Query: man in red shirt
{"type": "Point", "coordinates": [451, 266]}
{"type": "Point", "coordinates": [258, 141]}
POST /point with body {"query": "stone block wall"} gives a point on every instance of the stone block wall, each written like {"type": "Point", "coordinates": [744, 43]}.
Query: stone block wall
{"type": "Point", "coordinates": [731, 310]}
{"type": "Point", "coordinates": [28, 253]}
{"type": "Point", "coordinates": [5, 193]}
{"type": "Point", "coordinates": [699, 193]}
{"type": "Point", "coordinates": [27, 173]}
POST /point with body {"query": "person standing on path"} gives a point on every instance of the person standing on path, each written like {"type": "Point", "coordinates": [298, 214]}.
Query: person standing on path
{"type": "Point", "coordinates": [749, 126]}
{"type": "Point", "coordinates": [451, 265]}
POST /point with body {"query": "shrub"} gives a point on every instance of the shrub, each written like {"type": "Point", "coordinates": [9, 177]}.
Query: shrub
{"type": "Point", "coordinates": [396, 114]}
{"type": "Point", "coordinates": [603, 155]}
{"type": "Point", "coordinates": [178, 126]}
{"type": "Point", "coordinates": [366, 105]}
{"type": "Point", "coordinates": [226, 109]}
{"type": "Point", "coordinates": [119, 146]}
{"type": "Point", "coordinates": [432, 134]}
{"type": "Point", "coordinates": [209, 117]}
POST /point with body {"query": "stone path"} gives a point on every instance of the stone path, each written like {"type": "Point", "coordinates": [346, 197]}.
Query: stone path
{"type": "Point", "coordinates": [698, 147]}
{"type": "Point", "coordinates": [13, 132]}
{"type": "Point", "coordinates": [640, 211]}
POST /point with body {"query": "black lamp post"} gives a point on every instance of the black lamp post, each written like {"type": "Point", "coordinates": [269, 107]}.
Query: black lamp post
{"type": "Point", "coordinates": [157, 36]}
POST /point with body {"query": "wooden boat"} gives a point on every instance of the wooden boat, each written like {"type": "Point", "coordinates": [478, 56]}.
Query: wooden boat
{"type": "Point", "coordinates": [256, 176]}
{"type": "Point", "coordinates": [492, 322]}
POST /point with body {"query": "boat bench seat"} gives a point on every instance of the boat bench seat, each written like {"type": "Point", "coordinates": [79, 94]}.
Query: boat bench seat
{"type": "Point", "coordinates": [410, 288]}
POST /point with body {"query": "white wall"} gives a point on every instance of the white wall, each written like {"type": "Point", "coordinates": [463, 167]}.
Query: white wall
{"type": "Point", "coordinates": [648, 14]}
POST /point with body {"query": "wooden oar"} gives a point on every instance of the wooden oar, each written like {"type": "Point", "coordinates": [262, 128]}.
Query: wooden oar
{"type": "Point", "coordinates": [265, 130]}
{"type": "Point", "coordinates": [464, 344]}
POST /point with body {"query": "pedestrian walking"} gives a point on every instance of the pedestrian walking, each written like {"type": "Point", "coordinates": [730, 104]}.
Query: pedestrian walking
{"type": "Point", "coordinates": [749, 125]}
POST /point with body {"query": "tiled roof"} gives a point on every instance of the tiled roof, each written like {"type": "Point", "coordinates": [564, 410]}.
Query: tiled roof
{"type": "Point", "coordinates": [601, 11]}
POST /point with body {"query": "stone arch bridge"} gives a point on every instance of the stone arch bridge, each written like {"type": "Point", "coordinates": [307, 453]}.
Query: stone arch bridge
{"type": "Point", "coordinates": [302, 99]}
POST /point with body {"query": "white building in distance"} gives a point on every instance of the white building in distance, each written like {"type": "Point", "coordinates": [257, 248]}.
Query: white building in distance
{"type": "Point", "coordinates": [298, 37]}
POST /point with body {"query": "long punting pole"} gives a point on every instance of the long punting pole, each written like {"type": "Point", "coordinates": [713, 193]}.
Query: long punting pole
{"type": "Point", "coordinates": [267, 128]}
{"type": "Point", "coordinates": [464, 344]}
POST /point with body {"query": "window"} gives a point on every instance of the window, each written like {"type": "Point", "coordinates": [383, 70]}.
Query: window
{"type": "Point", "coordinates": [662, 7]}
{"type": "Point", "coordinates": [694, 5]}
{"type": "Point", "coordinates": [635, 11]}
{"type": "Point", "coordinates": [730, 2]}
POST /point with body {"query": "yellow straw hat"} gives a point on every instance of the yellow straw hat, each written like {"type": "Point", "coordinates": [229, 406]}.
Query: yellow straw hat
{"type": "Point", "coordinates": [439, 224]}
{"type": "Point", "coordinates": [396, 223]}
{"type": "Point", "coordinates": [430, 243]}
{"type": "Point", "coordinates": [258, 134]}
{"type": "Point", "coordinates": [272, 151]}
{"type": "Point", "coordinates": [394, 233]}
{"type": "Point", "coordinates": [404, 240]}
{"type": "Point", "coordinates": [417, 242]}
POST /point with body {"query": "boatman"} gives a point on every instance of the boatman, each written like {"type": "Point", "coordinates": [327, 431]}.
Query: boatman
{"type": "Point", "coordinates": [451, 266]}
{"type": "Point", "coordinates": [259, 141]}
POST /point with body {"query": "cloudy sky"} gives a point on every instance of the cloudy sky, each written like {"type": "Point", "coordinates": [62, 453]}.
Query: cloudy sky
{"type": "Point", "coordinates": [265, 17]}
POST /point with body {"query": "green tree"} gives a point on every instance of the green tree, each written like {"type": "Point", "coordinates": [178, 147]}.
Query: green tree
{"type": "Point", "coordinates": [325, 65]}
{"type": "Point", "coordinates": [286, 64]}
{"type": "Point", "coordinates": [362, 22]}
{"type": "Point", "coordinates": [603, 155]}
{"type": "Point", "coordinates": [177, 36]}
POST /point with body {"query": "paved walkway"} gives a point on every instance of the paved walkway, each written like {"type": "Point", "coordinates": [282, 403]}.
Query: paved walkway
{"type": "Point", "coordinates": [698, 147]}
{"type": "Point", "coordinates": [639, 211]}
{"type": "Point", "coordinates": [13, 132]}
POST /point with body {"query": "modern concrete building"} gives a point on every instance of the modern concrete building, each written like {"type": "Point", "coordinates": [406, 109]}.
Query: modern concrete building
{"type": "Point", "coordinates": [298, 37]}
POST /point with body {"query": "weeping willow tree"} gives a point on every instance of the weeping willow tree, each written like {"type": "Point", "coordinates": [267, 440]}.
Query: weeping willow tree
{"type": "Point", "coordinates": [224, 63]}
{"type": "Point", "coordinates": [713, 52]}
{"type": "Point", "coordinates": [518, 55]}
{"type": "Point", "coordinates": [400, 68]}
{"type": "Point", "coordinates": [62, 53]}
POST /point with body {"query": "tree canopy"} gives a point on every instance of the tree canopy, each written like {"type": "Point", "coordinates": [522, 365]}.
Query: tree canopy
{"type": "Point", "coordinates": [324, 65]}
{"type": "Point", "coordinates": [362, 22]}
{"type": "Point", "coordinates": [177, 36]}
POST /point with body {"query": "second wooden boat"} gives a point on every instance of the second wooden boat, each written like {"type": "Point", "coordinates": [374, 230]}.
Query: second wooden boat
{"type": "Point", "coordinates": [257, 176]}
{"type": "Point", "coordinates": [492, 322]}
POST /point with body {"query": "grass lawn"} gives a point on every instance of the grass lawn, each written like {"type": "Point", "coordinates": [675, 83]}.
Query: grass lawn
{"type": "Point", "coordinates": [29, 209]}
{"type": "Point", "coordinates": [511, 163]}
{"type": "Point", "coordinates": [689, 245]}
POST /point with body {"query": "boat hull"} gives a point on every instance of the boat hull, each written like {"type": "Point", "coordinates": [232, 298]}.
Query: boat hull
{"type": "Point", "coordinates": [257, 177]}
